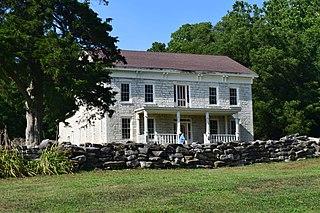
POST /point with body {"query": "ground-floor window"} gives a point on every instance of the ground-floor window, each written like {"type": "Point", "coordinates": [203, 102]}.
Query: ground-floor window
{"type": "Point", "coordinates": [213, 126]}
{"type": "Point", "coordinates": [233, 127]}
{"type": "Point", "coordinates": [151, 127]}
{"type": "Point", "coordinates": [126, 128]}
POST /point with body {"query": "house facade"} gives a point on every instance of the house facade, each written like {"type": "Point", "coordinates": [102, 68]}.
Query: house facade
{"type": "Point", "coordinates": [159, 95]}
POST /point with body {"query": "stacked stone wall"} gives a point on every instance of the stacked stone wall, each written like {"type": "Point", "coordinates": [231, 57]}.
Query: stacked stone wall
{"type": "Point", "coordinates": [138, 155]}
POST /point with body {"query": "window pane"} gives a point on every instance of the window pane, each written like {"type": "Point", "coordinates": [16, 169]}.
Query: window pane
{"type": "Point", "coordinates": [213, 127]}
{"type": "Point", "coordinates": [233, 96]}
{"type": "Point", "coordinates": [125, 92]}
{"type": "Point", "coordinates": [212, 95]}
{"type": "Point", "coordinates": [148, 92]}
{"type": "Point", "coordinates": [126, 128]}
{"type": "Point", "coordinates": [233, 127]}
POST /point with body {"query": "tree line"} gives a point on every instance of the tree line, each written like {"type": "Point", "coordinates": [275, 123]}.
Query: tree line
{"type": "Point", "coordinates": [280, 41]}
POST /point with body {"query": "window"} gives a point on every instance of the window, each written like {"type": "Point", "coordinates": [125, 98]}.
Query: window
{"type": "Point", "coordinates": [233, 96]}
{"type": "Point", "coordinates": [125, 92]}
{"type": "Point", "coordinates": [233, 127]}
{"type": "Point", "coordinates": [148, 93]}
{"type": "Point", "coordinates": [125, 128]}
{"type": "Point", "coordinates": [151, 128]}
{"type": "Point", "coordinates": [213, 126]}
{"type": "Point", "coordinates": [212, 95]}
{"type": "Point", "coordinates": [181, 95]}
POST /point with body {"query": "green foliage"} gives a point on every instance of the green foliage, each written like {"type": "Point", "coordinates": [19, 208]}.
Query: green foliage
{"type": "Point", "coordinates": [157, 47]}
{"type": "Point", "coordinates": [56, 53]}
{"type": "Point", "coordinates": [52, 161]}
{"type": "Point", "coordinates": [11, 164]}
{"type": "Point", "coordinates": [280, 42]}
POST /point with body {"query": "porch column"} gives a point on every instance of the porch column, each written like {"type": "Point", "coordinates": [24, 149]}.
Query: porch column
{"type": "Point", "coordinates": [137, 127]}
{"type": "Point", "coordinates": [237, 128]}
{"type": "Point", "coordinates": [178, 123]}
{"type": "Point", "coordinates": [226, 124]}
{"type": "Point", "coordinates": [207, 124]}
{"type": "Point", "coordinates": [145, 113]}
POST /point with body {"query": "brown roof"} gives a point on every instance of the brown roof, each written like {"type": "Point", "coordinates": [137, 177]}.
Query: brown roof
{"type": "Point", "coordinates": [183, 62]}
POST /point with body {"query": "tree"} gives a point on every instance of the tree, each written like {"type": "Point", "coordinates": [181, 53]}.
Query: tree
{"type": "Point", "coordinates": [157, 47]}
{"type": "Point", "coordinates": [56, 53]}
{"type": "Point", "coordinates": [192, 38]}
{"type": "Point", "coordinates": [281, 42]}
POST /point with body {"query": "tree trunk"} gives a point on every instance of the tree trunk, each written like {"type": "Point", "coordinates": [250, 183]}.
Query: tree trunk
{"type": "Point", "coordinates": [34, 113]}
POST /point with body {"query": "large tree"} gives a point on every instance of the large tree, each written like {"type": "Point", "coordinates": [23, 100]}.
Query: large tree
{"type": "Point", "coordinates": [281, 42]}
{"type": "Point", "coordinates": [56, 52]}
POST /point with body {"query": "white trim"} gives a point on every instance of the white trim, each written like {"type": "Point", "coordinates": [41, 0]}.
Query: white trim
{"type": "Point", "coordinates": [182, 76]}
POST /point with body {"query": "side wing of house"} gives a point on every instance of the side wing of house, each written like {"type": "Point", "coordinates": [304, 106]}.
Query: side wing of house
{"type": "Point", "coordinates": [156, 104]}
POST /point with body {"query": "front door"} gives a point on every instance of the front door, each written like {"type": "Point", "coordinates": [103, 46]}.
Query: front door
{"type": "Point", "coordinates": [185, 127]}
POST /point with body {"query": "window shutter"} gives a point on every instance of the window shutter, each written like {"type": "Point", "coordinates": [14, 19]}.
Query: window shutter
{"type": "Point", "coordinates": [175, 93]}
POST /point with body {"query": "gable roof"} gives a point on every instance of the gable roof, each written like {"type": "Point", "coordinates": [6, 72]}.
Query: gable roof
{"type": "Point", "coordinates": [182, 62]}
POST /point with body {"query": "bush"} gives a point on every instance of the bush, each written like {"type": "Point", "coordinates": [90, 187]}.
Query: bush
{"type": "Point", "coordinates": [52, 161]}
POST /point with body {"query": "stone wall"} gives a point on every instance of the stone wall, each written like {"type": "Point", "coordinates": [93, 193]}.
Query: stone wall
{"type": "Point", "coordinates": [138, 155]}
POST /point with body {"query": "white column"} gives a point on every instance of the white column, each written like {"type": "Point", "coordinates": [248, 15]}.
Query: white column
{"type": "Point", "coordinates": [237, 128]}
{"type": "Point", "coordinates": [207, 123]}
{"type": "Point", "coordinates": [106, 129]}
{"type": "Point", "coordinates": [93, 131]}
{"type": "Point", "coordinates": [145, 113]}
{"type": "Point", "coordinates": [226, 124]}
{"type": "Point", "coordinates": [101, 137]}
{"type": "Point", "coordinates": [178, 123]}
{"type": "Point", "coordinates": [137, 127]}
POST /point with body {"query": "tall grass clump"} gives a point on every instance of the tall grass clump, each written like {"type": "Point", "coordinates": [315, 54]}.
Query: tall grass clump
{"type": "Point", "coordinates": [52, 161]}
{"type": "Point", "coordinates": [11, 164]}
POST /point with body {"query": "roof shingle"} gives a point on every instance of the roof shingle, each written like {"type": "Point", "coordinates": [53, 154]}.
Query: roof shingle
{"type": "Point", "coordinates": [182, 62]}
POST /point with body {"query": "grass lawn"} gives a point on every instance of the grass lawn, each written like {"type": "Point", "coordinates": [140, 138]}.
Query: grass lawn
{"type": "Point", "coordinates": [276, 187]}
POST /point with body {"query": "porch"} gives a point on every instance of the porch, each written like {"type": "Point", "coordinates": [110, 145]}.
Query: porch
{"type": "Point", "coordinates": [162, 125]}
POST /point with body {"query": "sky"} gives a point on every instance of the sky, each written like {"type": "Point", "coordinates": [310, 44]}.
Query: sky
{"type": "Point", "coordinates": [139, 23]}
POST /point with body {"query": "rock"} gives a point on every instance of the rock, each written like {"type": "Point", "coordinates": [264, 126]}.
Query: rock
{"type": "Point", "coordinates": [80, 159]}
{"type": "Point", "coordinates": [146, 164]}
{"type": "Point", "coordinates": [159, 153]}
{"type": "Point", "coordinates": [219, 164]}
{"type": "Point", "coordinates": [133, 164]}
{"type": "Point", "coordinates": [46, 144]}
{"type": "Point", "coordinates": [182, 150]}
{"type": "Point", "coordinates": [114, 165]}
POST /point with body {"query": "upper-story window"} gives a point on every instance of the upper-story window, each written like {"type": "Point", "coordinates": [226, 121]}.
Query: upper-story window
{"type": "Point", "coordinates": [125, 92]}
{"type": "Point", "coordinates": [181, 95]}
{"type": "Point", "coordinates": [148, 93]}
{"type": "Point", "coordinates": [213, 95]}
{"type": "Point", "coordinates": [233, 96]}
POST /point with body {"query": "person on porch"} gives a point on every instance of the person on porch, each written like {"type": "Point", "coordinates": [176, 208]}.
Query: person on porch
{"type": "Point", "coordinates": [181, 138]}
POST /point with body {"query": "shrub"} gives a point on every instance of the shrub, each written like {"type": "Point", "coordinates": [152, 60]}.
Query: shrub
{"type": "Point", "coordinates": [11, 164]}
{"type": "Point", "coordinates": [52, 161]}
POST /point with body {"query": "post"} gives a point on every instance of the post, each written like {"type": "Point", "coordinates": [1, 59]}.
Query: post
{"type": "Point", "coordinates": [226, 124]}
{"type": "Point", "coordinates": [145, 113]}
{"type": "Point", "coordinates": [237, 128]}
{"type": "Point", "coordinates": [178, 126]}
{"type": "Point", "coordinates": [137, 127]}
{"type": "Point", "coordinates": [207, 134]}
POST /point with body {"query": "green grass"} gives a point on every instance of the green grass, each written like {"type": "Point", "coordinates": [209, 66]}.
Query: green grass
{"type": "Point", "coordinates": [277, 187]}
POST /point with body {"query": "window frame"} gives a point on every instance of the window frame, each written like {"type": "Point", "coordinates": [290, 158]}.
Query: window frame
{"type": "Point", "coordinates": [126, 135]}
{"type": "Point", "coordinates": [145, 93]}
{"type": "Point", "coordinates": [236, 98]}
{"type": "Point", "coordinates": [211, 129]}
{"type": "Point", "coordinates": [186, 93]}
{"type": "Point", "coordinates": [216, 96]}
{"type": "Point", "coordinates": [122, 93]}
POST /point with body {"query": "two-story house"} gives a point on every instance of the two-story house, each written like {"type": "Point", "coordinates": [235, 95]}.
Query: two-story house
{"type": "Point", "coordinates": [208, 98]}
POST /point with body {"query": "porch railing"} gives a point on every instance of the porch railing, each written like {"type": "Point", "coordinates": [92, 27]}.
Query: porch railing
{"type": "Point", "coordinates": [219, 137]}
{"type": "Point", "coordinates": [163, 138]}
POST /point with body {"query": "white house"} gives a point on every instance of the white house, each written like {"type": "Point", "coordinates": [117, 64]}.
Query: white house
{"type": "Point", "coordinates": [208, 98]}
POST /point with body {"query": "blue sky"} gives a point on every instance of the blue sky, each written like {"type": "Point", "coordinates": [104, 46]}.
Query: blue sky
{"type": "Point", "coordinates": [139, 23]}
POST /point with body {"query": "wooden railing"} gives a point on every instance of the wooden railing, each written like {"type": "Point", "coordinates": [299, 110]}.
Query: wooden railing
{"type": "Point", "coordinates": [163, 138]}
{"type": "Point", "coordinates": [219, 137]}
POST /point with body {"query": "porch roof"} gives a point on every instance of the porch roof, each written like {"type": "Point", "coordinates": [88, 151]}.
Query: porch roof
{"type": "Point", "coordinates": [189, 111]}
